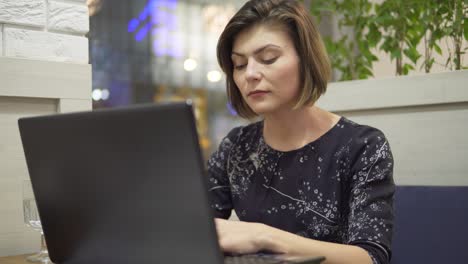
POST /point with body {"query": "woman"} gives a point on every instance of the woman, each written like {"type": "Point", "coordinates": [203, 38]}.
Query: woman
{"type": "Point", "coordinates": [303, 181]}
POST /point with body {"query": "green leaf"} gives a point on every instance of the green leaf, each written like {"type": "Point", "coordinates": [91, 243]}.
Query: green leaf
{"type": "Point", "coordinates": [395, 54]}
{"type": "Point", "coordinates": [437, 49]}
{"type": "Point", "coordinates": [430, 63]}
{"type": "Point", "coordinates": [407, 68]}
{"type": "Point", "coordinates": [374, 36]}
{"type": "Point", "coordinates": [413, 54]}
{"type": "Point", "coordinates": [437, 34]}
{"type": "Point", "coordinates": [366, 72]}
{"type": "Point", "coordinates": [448, 61]}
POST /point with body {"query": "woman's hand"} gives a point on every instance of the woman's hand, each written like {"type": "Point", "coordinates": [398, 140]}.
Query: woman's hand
{"type": "Point", "coordinates": [243, 238]}
{"type": "Point", "coordinates": [240, 237]}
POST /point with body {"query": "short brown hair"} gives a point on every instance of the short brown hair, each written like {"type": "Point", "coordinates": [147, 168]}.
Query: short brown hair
{"type": "Point", "coordinates": [314, 65]}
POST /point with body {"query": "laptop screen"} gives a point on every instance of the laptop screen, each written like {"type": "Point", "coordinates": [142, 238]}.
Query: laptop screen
{"type": "Point", "coordinates": [125, 185]}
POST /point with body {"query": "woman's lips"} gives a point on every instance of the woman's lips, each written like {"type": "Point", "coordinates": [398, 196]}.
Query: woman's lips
{"type": "Point", "coordinates": [257, 93]}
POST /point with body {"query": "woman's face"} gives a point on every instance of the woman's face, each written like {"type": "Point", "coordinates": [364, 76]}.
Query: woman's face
{"type": "Point", "coordinates": [266, 68]}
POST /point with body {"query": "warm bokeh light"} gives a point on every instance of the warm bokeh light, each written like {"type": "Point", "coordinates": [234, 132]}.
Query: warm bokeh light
{"type": "Point", "coordinates": [190, 64]}
{"type": "Point", "coordinates": [214, 76]}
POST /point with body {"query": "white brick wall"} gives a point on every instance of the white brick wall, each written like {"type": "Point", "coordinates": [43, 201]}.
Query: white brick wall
{"type": "Point", "coordinates": [44, 30]}
{"type": "Point", "coordinates": [45, 45]}
{"type": "Point", "coordinates": [68, 17]}
{"type": "Point", "coordinates": [36, 38]}
{"type": "Point", "coordinates": [23, 12]}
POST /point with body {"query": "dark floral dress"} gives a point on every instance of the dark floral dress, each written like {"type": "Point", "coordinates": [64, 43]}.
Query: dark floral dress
{"type": "Point", "coordinates": [338, 188]}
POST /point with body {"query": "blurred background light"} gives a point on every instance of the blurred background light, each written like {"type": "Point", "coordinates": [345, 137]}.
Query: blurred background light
{"type": "Point", "coordinates": [97, 94]}
{"type": "Point", "coordinates": [105, 94]}
{"type": "Point", "coordinates": [190, 64]}
{"type": "Point", "coordinates": [214, 76]}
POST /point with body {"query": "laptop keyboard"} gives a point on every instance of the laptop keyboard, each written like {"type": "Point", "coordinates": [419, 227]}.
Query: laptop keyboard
{"type": "Point", "coordinates": [252, 259]}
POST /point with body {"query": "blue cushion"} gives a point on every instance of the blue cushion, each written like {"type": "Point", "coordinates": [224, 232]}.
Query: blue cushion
{"type": "Point", "coordinates": [431, 225]}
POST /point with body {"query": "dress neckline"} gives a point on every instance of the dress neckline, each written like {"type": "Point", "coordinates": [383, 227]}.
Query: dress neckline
{"type": "Point", "coordinates": [308, 145]}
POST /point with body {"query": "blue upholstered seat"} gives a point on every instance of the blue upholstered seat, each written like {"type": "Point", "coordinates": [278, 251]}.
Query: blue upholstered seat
{"type": "Point", "coordinates": [431, 225]}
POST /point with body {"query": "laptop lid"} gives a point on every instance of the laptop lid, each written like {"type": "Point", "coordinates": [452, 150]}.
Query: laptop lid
{"type": "Point", "coordinates": [125, 185]}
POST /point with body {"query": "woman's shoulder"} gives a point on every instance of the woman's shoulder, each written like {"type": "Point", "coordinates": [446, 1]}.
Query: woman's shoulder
{"type": "Point", "coordinates": [244, 133]}
{"type": "Point", "coordinates": [239, 140]}
{"type": "Point", "coordinates": [366, 142]}
{"type": "Point", "coordinates": [361, 133]}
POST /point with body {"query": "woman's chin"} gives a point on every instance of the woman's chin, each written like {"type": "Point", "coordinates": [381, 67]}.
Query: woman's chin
{"type": "Point", "coordinates": [261, 111]}
{"type": "Point", "coordinates": [261, 108]}
{"type": "Point", "coordinates": [265, 110]}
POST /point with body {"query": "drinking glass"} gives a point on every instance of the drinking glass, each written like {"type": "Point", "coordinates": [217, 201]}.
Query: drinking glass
{"type": "Point", "coordinates": [31, 219]}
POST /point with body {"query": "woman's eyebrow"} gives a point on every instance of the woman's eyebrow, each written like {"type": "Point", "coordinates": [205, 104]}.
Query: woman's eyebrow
{"type": "Point", "coordinates": [259, 50]}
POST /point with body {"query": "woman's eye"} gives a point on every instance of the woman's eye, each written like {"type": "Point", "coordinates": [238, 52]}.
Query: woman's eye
{"type": "Point", "coordinates": [239, 67]}
{"type": "Point", "coordinates": [269, 61]}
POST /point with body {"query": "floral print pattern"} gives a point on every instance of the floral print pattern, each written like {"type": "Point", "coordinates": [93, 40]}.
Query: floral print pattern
{"type": "Point", "coordinates": [338, 188]}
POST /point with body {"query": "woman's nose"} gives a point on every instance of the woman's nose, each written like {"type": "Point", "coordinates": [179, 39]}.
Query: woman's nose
{"type": "Point", "coordinates": [252, 72]}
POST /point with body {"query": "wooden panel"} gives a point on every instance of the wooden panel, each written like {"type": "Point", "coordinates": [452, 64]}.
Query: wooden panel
{"type": "Point", "coordinates": [43, 79]}
{"type": "Point", "coordinates": [15, 238]}
{"type": "Point", "coordinates": [429, 143]}
{"type": "Point", "coordinates": [21, 259]}
{"type": "Point", "coordinates": [30, 88]}
{"type": "Point", "coordinates": [73, 105]}
{"type": "Point", "coordinates": [27, 242]}
{"type": "Point", "coordinates": [436, 88]}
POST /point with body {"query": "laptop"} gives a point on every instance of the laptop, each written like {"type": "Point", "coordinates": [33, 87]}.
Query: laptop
{"type": "Point", "coordinates": [122, 186]}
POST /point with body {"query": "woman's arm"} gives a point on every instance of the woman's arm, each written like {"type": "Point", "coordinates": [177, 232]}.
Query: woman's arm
{"type": "Point", "coordinates": [218, 181]}
{"type": "Point", "coordinates": [243, 237]}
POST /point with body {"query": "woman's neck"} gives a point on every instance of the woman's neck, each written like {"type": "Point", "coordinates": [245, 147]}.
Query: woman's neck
{"type": "Point", "coordinates": [294, 129]}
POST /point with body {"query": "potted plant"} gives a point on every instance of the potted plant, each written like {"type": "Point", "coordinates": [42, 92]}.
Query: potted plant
{"type": "Point", "coordinates": [396, 27]}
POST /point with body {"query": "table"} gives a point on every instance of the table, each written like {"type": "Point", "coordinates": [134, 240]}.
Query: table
{"type": "Point", "coordinates": [20, 259]}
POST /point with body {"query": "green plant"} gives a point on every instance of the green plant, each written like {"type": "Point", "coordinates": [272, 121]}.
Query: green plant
{"type": "Point", "coordinates": [455, 27]}
{"type": "Point", "coordinates": [350, 54]}
{"type": "Point", "coordinates": [431, 18]}
{"type": "Point", "coordinates": [398, 20]}
{"type": "Point", "coordinates": [396, 27]}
